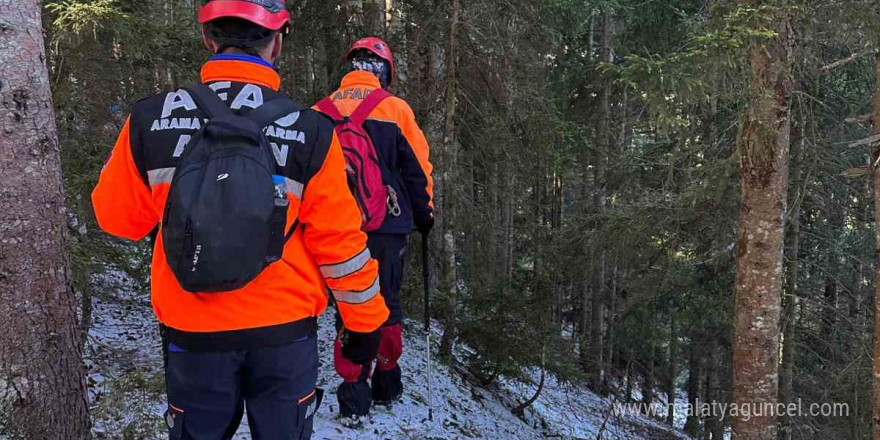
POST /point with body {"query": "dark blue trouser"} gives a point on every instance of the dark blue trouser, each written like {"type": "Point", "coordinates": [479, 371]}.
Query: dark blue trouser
{"type": "Point", "coordinates": [355, 398]}
{"type": "Point", "coordinates": [389, 250]}
{"type": "Point", "coordinates": [209, 390]}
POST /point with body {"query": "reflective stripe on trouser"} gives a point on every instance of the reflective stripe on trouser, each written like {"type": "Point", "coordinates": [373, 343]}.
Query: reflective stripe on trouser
{"type": "Point", "coordinates": [207, 391]}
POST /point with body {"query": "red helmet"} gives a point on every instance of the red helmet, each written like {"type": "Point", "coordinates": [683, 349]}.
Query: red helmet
{"type": "Point", "coordinates": [377, 46]}
{"type": "Point", "coordinates": [270, 14]}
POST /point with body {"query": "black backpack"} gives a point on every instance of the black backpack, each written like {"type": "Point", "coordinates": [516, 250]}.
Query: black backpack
{"type": "Point", "coordinates": [224, 219]}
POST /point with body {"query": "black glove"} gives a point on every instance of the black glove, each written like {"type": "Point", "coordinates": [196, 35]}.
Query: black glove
{"type": "Point", "coordinates": [425, 226]}
{"type": "Point", "coordinates": [361, 348]}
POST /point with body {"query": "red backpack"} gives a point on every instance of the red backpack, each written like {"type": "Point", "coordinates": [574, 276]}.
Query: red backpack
{"type": "Point", "coordinates": [365, 167]}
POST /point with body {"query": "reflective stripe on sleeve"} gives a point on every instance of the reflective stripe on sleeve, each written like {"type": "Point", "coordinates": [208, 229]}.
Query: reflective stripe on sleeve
{"type": "Point", "coordinates": [357, 297]}
{"type": "Point", "coordinates": [346, 268]}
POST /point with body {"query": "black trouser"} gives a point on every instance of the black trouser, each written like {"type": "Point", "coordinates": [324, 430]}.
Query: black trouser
{"type": "Point", "coordinates": [209, 390]}
{"type": "Point", "coordinates": [356, 396]}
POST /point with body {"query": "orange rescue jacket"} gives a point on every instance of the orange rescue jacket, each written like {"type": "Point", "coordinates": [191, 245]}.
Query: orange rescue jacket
{"type": "Point", "coordinates": [328, 250]}
{"type": "Point", "coordinates": [399, 140]}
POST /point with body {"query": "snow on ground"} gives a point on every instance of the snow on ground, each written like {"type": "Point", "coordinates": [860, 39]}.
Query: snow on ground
{"type": "Point", "coordinates": [127, 392]}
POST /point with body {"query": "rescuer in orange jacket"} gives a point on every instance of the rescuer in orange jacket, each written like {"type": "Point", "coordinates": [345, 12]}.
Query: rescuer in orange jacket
{"type": "Point", "coordinates": [403, 149]}
{"type": "Point", "coordinates": [255, 345]}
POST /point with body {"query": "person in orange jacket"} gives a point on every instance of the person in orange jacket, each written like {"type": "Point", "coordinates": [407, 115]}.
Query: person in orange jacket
{"type": "Point", "coordinates": [254, 346]}
{"type": "Point", "coordinates": [402, 147]}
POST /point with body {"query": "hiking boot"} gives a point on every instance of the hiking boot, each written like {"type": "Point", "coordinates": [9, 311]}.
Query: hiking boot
{"type": "Point", "coordinates": [389, 403]}
{"type": "Point", "coordinates": [352, 421]}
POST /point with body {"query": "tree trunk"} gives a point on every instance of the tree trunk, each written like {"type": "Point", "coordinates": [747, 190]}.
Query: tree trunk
{"type": "Point", "coordinates": [627, 393]}
{"type": "Point", "coordinates": [763, 149]}
{"type": "Point", "coordinates": [449, 285]}
{"type": "Point", "coordinates": [715, 421]}
{"type": "Point", "coordinates": [610, 325]}
{"type": "Point", "coordinates": [831, 294]}
{"type": "Point", "coordinates": [355, 11]}
{"type": "Point", "coordinates": [875, 174]}
{"type": "Point", "coordinates": [695, 385]}
{"type": "Point", "coordinates": [42, 387]}
{"type": "Point", "coordinates": [374, 17]}
{"type": "Point", "coordinates": [597, 364]}
{"type": "Point", "coordinates": [648, 383]}
{"type": "Point", "coordinates": [790, 301]}
{"type": "Point", "coordinates": [449, 149]}
{"type": "Point", "coordinates": [673, 372]}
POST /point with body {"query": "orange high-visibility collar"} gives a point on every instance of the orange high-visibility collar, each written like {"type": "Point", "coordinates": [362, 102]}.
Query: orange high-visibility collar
{"type": "Point", "coordinates": [360, 78]}
{"type": "Point", "coordinates": [241, 71]}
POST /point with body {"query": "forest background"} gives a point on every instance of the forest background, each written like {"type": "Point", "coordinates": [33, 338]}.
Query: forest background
{"type": "Point", "coordinates": [615, 180]}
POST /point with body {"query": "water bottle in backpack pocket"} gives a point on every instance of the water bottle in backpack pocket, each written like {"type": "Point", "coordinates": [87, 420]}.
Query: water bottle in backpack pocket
{"type": "Point", "coordinates": [279, 219]}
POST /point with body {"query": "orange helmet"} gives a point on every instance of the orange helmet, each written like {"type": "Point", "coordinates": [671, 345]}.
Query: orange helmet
{"type": "Point", "coordinates": [270, 14]}
{"type": "Point", "coordinates": [377, 46]}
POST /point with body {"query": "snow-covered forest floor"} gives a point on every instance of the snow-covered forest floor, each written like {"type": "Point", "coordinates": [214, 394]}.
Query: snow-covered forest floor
{"type": "Point", "coordinates": [127, 391]}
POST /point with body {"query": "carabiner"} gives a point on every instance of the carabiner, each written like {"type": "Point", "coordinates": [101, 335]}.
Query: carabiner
{"type": "Point", "coordinates": [393, 205]}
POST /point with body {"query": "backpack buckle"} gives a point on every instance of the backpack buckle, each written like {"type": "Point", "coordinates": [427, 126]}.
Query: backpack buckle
{"type": "Point", "coordinates": [393, 205]}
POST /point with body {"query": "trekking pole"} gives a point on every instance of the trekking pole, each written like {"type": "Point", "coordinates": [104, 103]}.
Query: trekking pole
{"type": "Point", "coordinates": [426, 275]}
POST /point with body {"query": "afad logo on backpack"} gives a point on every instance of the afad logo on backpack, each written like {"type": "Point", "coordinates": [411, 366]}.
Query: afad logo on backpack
{"type": "Point", "coordinates": [250, 96]}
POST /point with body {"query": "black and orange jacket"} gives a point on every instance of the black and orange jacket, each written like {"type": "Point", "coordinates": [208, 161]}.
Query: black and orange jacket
{"type": "Point", "coordinates": [327, 251]}
{"type": "Point", "coordinates": [399, 140]}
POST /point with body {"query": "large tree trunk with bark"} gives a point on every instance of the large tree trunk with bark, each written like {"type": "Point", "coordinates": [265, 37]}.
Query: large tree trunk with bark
{"type": "Point", "coordinates": [42, 387]}
{"type": "Point", "coordinates": [763, 146]}
{"type": "Point", "coordinates": [875, 174]}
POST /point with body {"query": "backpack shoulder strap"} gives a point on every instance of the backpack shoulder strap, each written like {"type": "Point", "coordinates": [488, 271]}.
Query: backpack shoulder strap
{"type": "Point", "coordinates": [273, 110]}
{"type": "Point", "coordinates": [327, 107]}
{"type": "Point", "coordinates": [208, 101]}
{"type": "Point", "coordinates": [368, 105]}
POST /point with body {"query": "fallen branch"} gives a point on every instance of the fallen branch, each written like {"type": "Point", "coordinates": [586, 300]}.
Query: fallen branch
{"type": "Point", "coordinates": [849, 59]}
{"type": "Point", "coordinates": [866, 141]}
{"type": "Point", "coordinates": [607, 416]}
{"type": "Point", "coordinates": [852, 173]}
{"type": "Point", "coordinates": [859, 119]}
